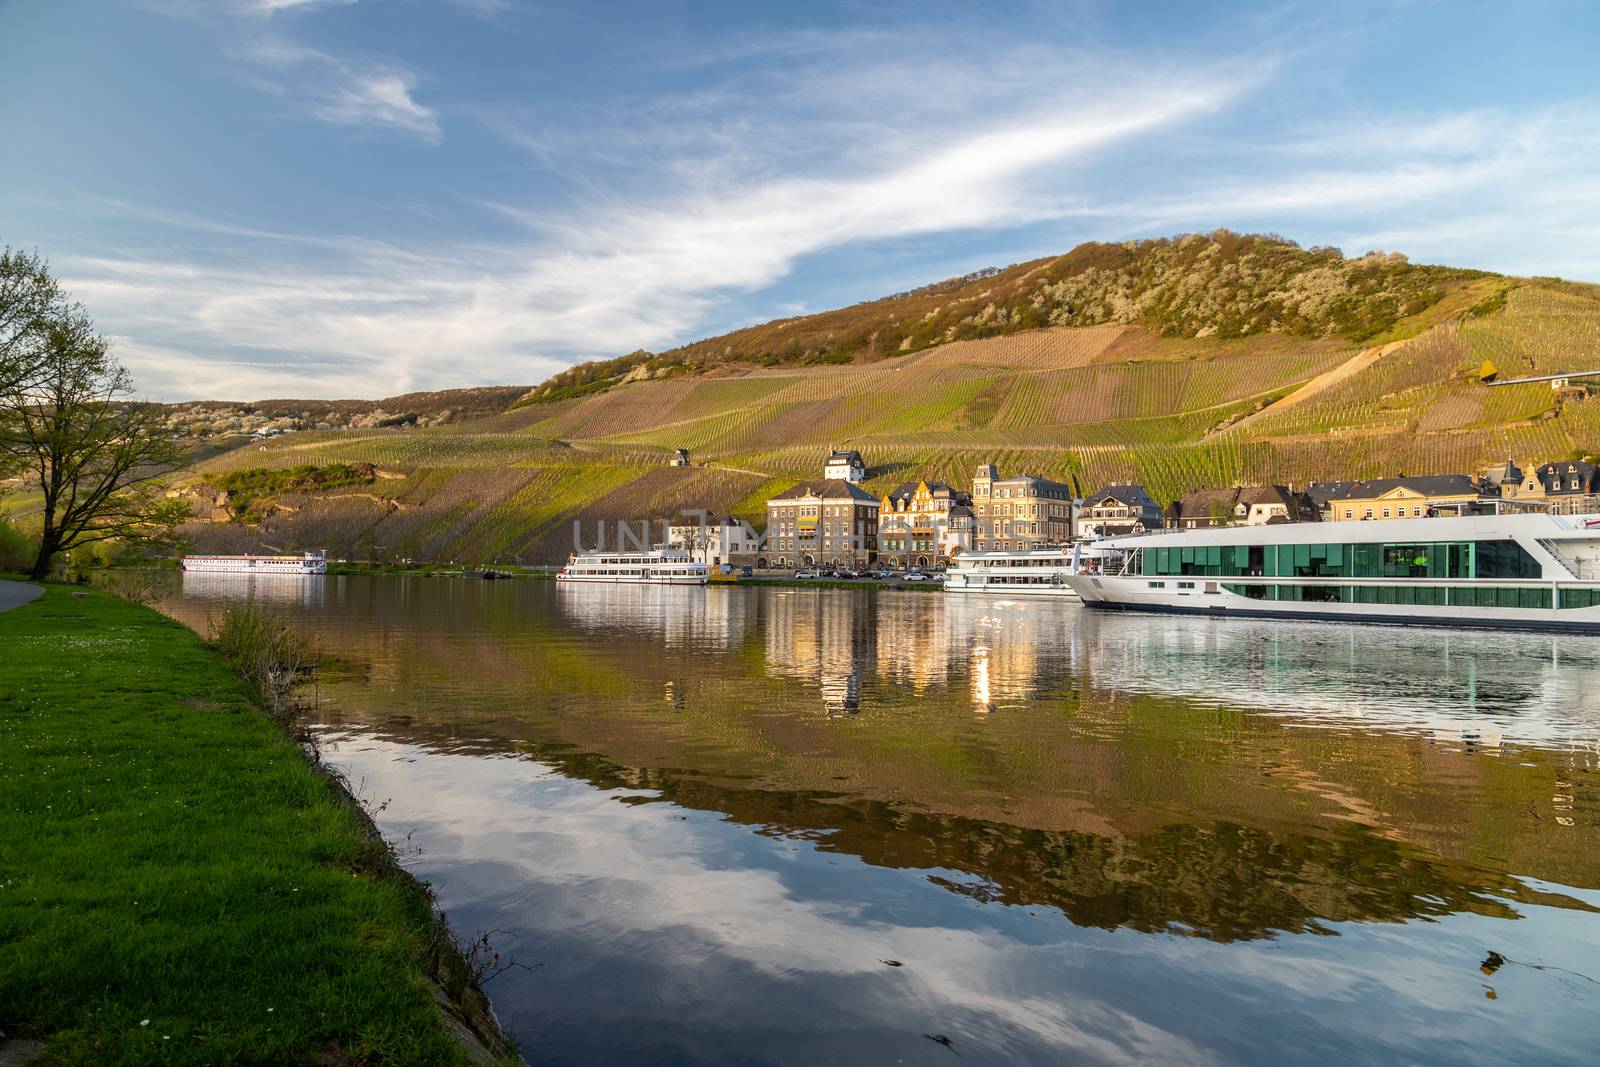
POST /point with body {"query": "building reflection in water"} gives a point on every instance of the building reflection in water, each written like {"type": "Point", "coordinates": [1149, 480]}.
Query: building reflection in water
{"type": "Point", "coordinates": [681, 618]}
{"type": "Point", "coordinates": [1010, 647]}
{"type": "Point", "coordinates": [823, 638]}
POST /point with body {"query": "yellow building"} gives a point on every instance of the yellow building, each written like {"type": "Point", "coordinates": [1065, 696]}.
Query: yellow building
{"type": "Point", "coordinates": [921, 524]}
{"type": "Point", "coordinates": [1405, 498]}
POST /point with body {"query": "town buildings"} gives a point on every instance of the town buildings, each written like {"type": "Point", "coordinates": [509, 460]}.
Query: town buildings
{"type": "Point", "coordinates": [830, 521]}
{"type": "Point", "coordinates": [922, 524]}
{"type": "Point", "coordinates": [1406, 498]}
{"type": "Point", "coordinates": [715, 541]}
{"type": "Point", "coordinates": [1251, 505]}
{"type": "Point", "coordinates": [1019, 512]}
{"type": "Point", "coordinates": [847, 466]}
{"type": "Point", "coordinates": [1118, 509]}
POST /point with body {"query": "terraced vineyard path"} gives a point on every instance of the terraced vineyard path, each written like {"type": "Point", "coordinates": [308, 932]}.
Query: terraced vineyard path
{"type": "Point", "coordinates": [1349, 368]}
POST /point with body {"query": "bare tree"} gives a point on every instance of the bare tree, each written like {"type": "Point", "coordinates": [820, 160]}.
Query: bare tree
{"type": "Point", "coordinates": [94, 454]}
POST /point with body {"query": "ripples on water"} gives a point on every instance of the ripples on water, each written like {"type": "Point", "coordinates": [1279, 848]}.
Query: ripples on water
{"type": "Point", "coordinates": [791, 825]}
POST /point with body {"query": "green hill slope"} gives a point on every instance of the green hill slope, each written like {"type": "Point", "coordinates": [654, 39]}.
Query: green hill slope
{"type": "Point", "coordinates": [1196, 365]}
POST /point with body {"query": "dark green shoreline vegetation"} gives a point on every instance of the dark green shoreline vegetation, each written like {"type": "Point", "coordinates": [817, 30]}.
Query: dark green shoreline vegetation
{"type": "Point", "coordinates": [179, 883]}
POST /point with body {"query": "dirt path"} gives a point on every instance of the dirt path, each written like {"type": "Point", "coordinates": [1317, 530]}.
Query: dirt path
{"type": "Point", "coordinates": [1326, 380]}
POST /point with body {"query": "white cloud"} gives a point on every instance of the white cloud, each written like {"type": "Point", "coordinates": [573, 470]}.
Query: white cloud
{"type": "Point", "coordinates": [342, 91]}
{"type": "Point", "coordinates": [608, 281]}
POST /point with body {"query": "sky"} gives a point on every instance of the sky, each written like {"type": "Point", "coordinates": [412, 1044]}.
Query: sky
{"type": "Point", "coordinates": [359, 198]}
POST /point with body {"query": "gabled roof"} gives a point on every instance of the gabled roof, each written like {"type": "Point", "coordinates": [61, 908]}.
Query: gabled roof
{"type": "Point", "coordinates": [1267, 494]}
{"type": "Point", "coordinates": [1322, 492]}
{"type": "Point", "coordinates": [1031, 479]}
{"type": "Point", "coordinates": [1567, 468]}
{"type": "Point", "coordinates": [1429, 485]}
{"type": "Point", "coordinates": [827, 489]}
{"type": "Point", "coordinates": [1507, 473]}
{"type": "Point", "coordinates": [844, 453]}
{"type": "Point", "coordinates": [1201, 501]}
{"type": "Point", "coordinates": [1132, 496]}
{"type": "Point", "coordinates": [907, 490]}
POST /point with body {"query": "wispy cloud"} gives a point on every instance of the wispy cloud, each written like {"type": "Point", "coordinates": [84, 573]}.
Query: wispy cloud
{"type": "Point", "coordinates": [342, 91]}
{"type": "Point", "coordinates": [610, 280]}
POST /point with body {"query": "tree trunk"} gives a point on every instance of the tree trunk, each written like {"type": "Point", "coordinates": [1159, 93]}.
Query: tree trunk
{"type": "Point", "coordinates": [41, 565]}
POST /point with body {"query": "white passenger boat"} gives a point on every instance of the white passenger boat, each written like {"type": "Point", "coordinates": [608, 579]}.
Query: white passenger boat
{"type": "Point", "coordinates": [661, 566]}
{"type": "Point", "coordinates": [306, 563]}
{"type": "Point", "coordinates": [1032, 572]}
{"type": "Point", "coordinates": [1537, 572]}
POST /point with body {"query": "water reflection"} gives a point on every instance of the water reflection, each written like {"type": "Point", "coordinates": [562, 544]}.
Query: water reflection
{"type": "Point", "coordinates": [301, 590]}
{"type": "Point", "coordinates": [680, 617]}
{"type": "Point", "coordinates": [1482, 687]}
{"type": "Point", "coordinates": [712, 814]}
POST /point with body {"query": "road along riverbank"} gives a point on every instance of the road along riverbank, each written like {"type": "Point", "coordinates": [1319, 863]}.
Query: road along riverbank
{"type": "Point", "coordinates": [179, 882]}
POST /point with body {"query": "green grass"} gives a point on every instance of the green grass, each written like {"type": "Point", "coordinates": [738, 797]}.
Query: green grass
{"type": "Point", "coordinates": [177, 884]}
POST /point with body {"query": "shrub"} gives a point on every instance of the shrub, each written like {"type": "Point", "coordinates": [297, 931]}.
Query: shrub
{"type": "Point", "coordinates": [265, 650]}
{"type": "Point", "coordinates": [17, 547]}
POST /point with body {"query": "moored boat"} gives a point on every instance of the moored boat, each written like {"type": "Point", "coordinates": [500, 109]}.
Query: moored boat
{"type": "Point", "coordinates": [1537, 572]}
{"type": "Point", "coordinates": [1031, 572]}
{"type": "Point", "coordinates": [660, 566]}
{"type": "Point", "coordinates": [306, 563]}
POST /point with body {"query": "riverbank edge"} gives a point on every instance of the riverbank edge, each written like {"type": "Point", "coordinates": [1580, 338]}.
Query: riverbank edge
{"type": "Point", "coordinates": [465, 1014]}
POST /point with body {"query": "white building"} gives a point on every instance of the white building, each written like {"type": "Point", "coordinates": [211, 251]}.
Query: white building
{"type": "Point", "coordinates": [715, 541]}
{"type": "Point", "coordinates": [845, 466]}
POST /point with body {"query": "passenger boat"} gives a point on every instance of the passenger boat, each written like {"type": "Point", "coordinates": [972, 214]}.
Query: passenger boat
{"type": "Point", "coordinates": [1539, 572]}
{"type": "Point", "coordinates": [1030, 572]}
{"type": "Point", "coordinates": [660, 566]}
{"type": "Point", "coordinates": [306, 563]}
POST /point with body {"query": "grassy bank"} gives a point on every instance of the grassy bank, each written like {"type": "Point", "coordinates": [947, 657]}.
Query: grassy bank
{"type": "Point", "coordinates": [178, 884]}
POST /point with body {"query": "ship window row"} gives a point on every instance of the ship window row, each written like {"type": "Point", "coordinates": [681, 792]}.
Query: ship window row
{"type": "Point", "coordinates": [1422, 559]}
{"type": "Point", "coordinates": [1460, 596]}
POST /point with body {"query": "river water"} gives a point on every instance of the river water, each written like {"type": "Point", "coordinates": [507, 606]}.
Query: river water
{"type": "Point", "coordinates": [748, 826]}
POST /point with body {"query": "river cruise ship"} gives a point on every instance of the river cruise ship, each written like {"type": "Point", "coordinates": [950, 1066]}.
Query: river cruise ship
{"type": "Point", "coordinates": [307, 563]}
{"type": "Point", "coordinates": [661, 566]}
{"type": "Point", "coordinates": [1508, 571]}
{"type": "Point", "coordinates": [1031, 572]}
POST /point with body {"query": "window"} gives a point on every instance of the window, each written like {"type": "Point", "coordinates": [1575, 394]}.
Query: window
{"type": "Point", "coordinates": [1386, 513]}
{"type": "Point", "coordinates": [1368, 514]}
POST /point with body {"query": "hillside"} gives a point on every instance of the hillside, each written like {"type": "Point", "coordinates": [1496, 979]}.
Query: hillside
{"type": "Point", "coordinates": [1223, 284]}
{"type": "Point", "coordinates": [1172, 399]}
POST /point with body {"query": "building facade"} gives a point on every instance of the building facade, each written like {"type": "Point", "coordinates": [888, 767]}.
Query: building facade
{"type": "Point", "coordinates": [845, 466]}
{"type": "Point", "coordinates": [922, 524]}
{"type": "Point", "coordinates": [1406, 498]}
{"type": "Point", "coordinates": [1019, 512]}
{"type": "Point", "coordinates": [716, 541]}
{"type": "Point", "coordinates": [831, 521]}
{"type": "Point", "coordinates": [1119, 509]}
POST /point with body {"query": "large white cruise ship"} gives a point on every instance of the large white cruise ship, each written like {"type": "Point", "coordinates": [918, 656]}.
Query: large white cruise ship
{"type": "Point", "coordinates": [1510, 571]}
{"type": "Point", "coordinates": [307, 563]}
{"type": "Point", "coordinates": [660, 566]}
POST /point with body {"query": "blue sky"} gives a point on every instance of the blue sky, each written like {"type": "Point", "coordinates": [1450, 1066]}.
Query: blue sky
{"type": "Point", "coordinates": [268, 198]}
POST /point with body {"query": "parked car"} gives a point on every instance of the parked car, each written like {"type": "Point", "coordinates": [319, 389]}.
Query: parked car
{"type": "Point", "coordinates": [916, 576]}
{"type": "Point", "coordinates": [747, 571]}
{"type": "Point", "coordinates": [805, 574]}
{"type": "Point", "coordinates": [846, 574]}
{"type": "Point", "coordinates": [880, 574]}
{"type": "Point", "coordinates": [826, 572]}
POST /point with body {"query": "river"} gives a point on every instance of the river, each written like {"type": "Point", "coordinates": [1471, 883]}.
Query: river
{"type": "Point", "coordinates": [799, 826]}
